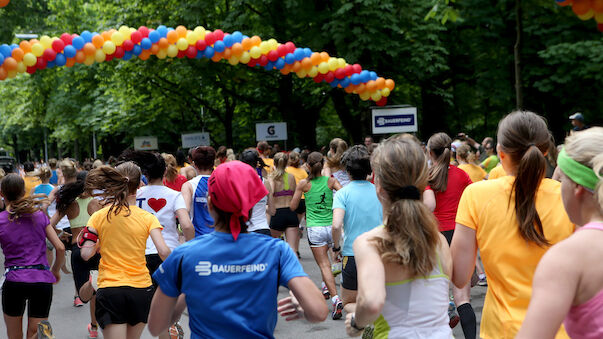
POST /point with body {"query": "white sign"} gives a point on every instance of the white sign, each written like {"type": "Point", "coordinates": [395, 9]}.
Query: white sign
{"type": "Point", "coordinates": [394, 119]}
{"type": "Point", "coordinates": [271, 131]}
{"type": "Point", "coordinates": [190, 140]}
{"type": "Point", "coordinates": [145, 143]}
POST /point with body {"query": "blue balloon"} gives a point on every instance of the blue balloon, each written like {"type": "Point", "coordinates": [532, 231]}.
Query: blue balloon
{"type": "Point", "coordinates": [1, 59]}
{"type": "Point", "coordinates": [154, 36]}
{"type": "Point", "coordinates": [219, 46]}
{"type": "Point", "coordinates": [137, 50]}
{"type": "Point", "coordinates": [228, 40]}
{"type": "Point", "coordinates": [299, 54]}
{"type": "Point", "coordinates": [208, 52]}
{"type": "Point", "coordinates": [244, 37]}
{"type": "Point", "coordinates": [345, 82]}
{"type": "Point", "coordinates": [13, 46]}
{"type": "Point", "coordinates": [170, 29]}
{"type": "Point", "coordinates": [334, 83]}
{"type": "Point", "coordinates": [279, 63]}
{"type": "Point", "coordinates": [128, 55]}
{"type": "Point", "coordinates": [199, 55]}
{"type": "Point", "coordinates": [365, 76]}
{"type": "Point", "coordinates": [373, 75]}
{"type": "Point", "coordinates": [87, 36]}
{"type": "Point", "coordinates": [237, 36]}
{"type": "Point", "coordinates": [60, 60]}
{"type": "Point", "coordinates": [78, 42]}
{"type": "Point", "coordinates": [69, 51]}
{"type": "Point", "coordinates": [356, 79]}
{"type": "Point", "coordinates": [289, 58]}
{"type": "Point", "coordinates": [146, 43]}
{"type": "Point", "coordinates": [5, 50]}
{"type": "Point", "coordinates": [162, 30]}
{"type": "Point", "coordinates": [269, 66]}
{"type": "Point", "coordinates": [307, 52]}
{"type": "Point", "coordinates": [50, 64]}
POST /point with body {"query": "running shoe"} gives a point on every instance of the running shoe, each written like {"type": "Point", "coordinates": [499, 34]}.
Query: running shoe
{"type": "Point", "coordinates": [337, 309]}
{"type": "Point", "coordinates": [45, 330]}
{"type": "Point", "coordinates": [92, 331]}
{"type": "Point", "coordinates": [482, 282]}
{"type": "Point", "coordinates": [77, 302]}
{"type": "Point", "coordinates": [325, 292]}
{"type": "Point", "coordinates": [176, 331]}
{"type": "Point", "coordinates": [454, 318]}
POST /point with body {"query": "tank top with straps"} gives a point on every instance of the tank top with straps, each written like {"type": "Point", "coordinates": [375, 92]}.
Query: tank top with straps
{"type": "Point", "coordinates": [319, 203]}
{"type": "Point", "coordinates": [200, 216]}
{"type": "Point", "coordinates": [82, 219]}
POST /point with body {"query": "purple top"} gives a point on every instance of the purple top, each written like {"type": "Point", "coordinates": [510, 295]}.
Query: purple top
{"type": "Point", "coordinates": [23, 242]}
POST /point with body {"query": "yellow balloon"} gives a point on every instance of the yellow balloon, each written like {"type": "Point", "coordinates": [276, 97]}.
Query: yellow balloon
{"type": "Point", "coordinates": [89, 60]}
{"type": "Point", "coordinates": [99, 56]}
{"type": "Point", "coordinates": [200, 32]}
{"type": "Point", "coordinates": [255, 52]}
{"type": "Point", "coordinates": [12, 74]}
{"type": "Point", "coordinates": [265, 47]}
{"type": "Point", "coordinates": [599, 17]}
{"type": "Point", "coordinates": [191, 38]}
{"type": "Point", "coordinates": [341, 63]}
{"type": "Point", "coordinates": [273, 43]}
{"type": "Point", "coordinates": [323, 68]}
{"type": "Point", "coordinates": [37, 49]}
{"type": "Point", "coordinates": [376, 96]}
{"type": "Point", "coordinates": [385, 92]}
{"type": "Point", "coordinates": [313, 72]}
{"type": "Point", "coordinates": [29, 59]}
{"type": "Point", "coordinates": [302, 73]}
{"type": "Point", "coordinates": [172, 51]}
{"type": "Point", "coordinates": [132, 30]}
{"type": "Point", "coordinates": [162, 54]}
{"type": "Point", "coordinates": [233, 60]}
{"type": "Point", "coordinates": [364, 96]}
{"type": "Point", "coordinates": [245, 57]}
{"type": "Point", "coordinates": [125, 30]}
{"type": "Point", "coordinates": [109, 47]}
{"type": "Point", "coordinates": [21, 68]}
{"type": "Point", "coordinates": [117, 38]}
{"type": "Point", "coordinates": [46, 41]}
{"type": "Point", "coordinates": [182, 44]}
{"type": "Point", "coordinates": [333, 64]}
{"type": "Point", "coordinates": [588, 15]}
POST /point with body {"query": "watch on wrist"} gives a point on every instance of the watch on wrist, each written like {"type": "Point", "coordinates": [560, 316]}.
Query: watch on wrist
{"type": "Point", "coordinates": [336, 249]}
{"type": "Point", "coordinates": [353, 323]}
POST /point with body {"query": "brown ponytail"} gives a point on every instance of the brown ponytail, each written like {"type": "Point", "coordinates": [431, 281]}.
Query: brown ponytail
{"type": "Point", "coordinates": [13, 190]}
{"type": "Point", "coordinates": [116, 184]}
{"type": "Point", "coordinates": [412, 230]}
{"type": "Point", "coordinates": [172, 172]}
{"type": "Point", "coordinates": [439, 144]}
{"type": "Point", "coordinates": [524, 137]}
{"type": "Point", "coordinates": [280, 165]}
{"type": "Point", "coordinates": [315, 161]}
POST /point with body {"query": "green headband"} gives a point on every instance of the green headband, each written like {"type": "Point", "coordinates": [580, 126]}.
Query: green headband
{"type": "Point", "coordinates": [580, 174]}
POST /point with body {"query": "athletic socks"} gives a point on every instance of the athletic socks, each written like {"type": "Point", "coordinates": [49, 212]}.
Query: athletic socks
{"type": "Point", "coordinates": [482, 276]}
{"type": "Point", "coordinates": [468, 321]}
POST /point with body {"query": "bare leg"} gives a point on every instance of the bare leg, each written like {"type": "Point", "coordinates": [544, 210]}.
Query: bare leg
{"type": "Point", "coordinates": [275, 233]}
{"type": "Point", "coordinates": [134, 332]}
{"type": "Point", "coordinates": [32, 327]}
{"type": "Point", "coordinates": [292, 237]}
{"type": "Point", "coordinates": [349, 300]}
{"type": "Point", "coordinates": [322, 259]}
{"type": "Point", "coordinates": [14, 327]}
{"type": "Point", "coordinates": [116, 331]}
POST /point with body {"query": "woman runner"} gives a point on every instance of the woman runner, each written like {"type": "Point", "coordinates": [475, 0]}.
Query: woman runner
{"type": "Point", "coordinates": [172, 179]}
{"type": "Point", "coordinates": [404, 266]}
{"type": "Point", "coordinates": [261, 212]}
{"type": "Point", "coordinates": [284, 220]}
{"type": "Point", "coordinates": [334, 167]}
{"type": "Point", "coordinates": [466, 160]}
{"type": "Point", "coordinates": [568, 282]}
{"type": "Point", "coordinates": [512, 220]}
{"type": "Point", "coordinates": [194, 191]}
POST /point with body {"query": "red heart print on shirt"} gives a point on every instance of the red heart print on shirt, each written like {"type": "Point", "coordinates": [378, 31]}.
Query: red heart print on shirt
{"type": "Point", "coordinates": [157, 204]}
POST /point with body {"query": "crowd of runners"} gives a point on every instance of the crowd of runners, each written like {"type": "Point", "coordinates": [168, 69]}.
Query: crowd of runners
{"type": "Point", "coordinates": [411, 226]}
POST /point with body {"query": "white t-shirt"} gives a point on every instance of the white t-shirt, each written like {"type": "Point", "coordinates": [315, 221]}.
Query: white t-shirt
{"type": "Point", "coordinates": [162, 202]}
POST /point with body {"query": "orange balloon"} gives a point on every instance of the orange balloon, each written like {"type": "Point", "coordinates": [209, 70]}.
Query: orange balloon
{"type": "Point", "coordinates": [10, 64]}
{"type": "Point", "coordinates": [306, 63]}
{"type": "Point", "coordinates": [597, 6]}
{"type": "Point", "coordinates": [172, 37]}
{"type": "Point", "coordinates": [154, 49]}
{"type": "Point", "coordinates": [181, 31]}
{"type": "Point", "coordinates": [316, 59]}
{"type": "Point", "coordinates": [286, 70]}
{"type": "Point", "coordinates": [163, 43]}
{"type": "Point", "coordinates": [3, 73]}
{"type": "Point", "coordinates": [106, 35]}
{"type": "Point", "coordinates": [89, 49]}
{"type": "Point", "coordinates": [227, 53]}
{"type": "Point", "coordinates": [247, 44]}
{"type": "Point", "coordinates": [256, 40]}
{"type": "Point", "coordinates": [389, 83]}
{"type": "Point", "coordinates": [98, 41]}
{"type": "Point", "coordinates": [349, 89]}
{"type": "Point", "coordinates": [380, 83]}
{"type": "Point", "coordinates": [80, 57]}
{"type": "Point", "coordinates": [296, 67]}
{"type": "Point", "coordinates": [18, 54]}
{"type": "Point", "coordinates": [360, 88]}
{"type": "Point", "coordinates": [581, 7]}
{"type": "Point", "coordinates": [237, 49]}
{"type": "Point", "coordinates": [145, 54]}
{"type": "Point", "coordinates": [70, 62]}
{"type": "Point", "coordinates": [217, 57]}
{"type": "Point", "coordinates": [25, 46]}
{"type": "Point", "coordinates": [3, 3]}
{"type": "Point", "coordinates": [371, 86]}
{"type": "Point", "coordinates": [324, 56]}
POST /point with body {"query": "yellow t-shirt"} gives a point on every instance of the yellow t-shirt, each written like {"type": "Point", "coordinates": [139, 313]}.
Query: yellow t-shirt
{"type": "Point", "coordinates": [270, 163]}
{"type": "Point", "coordinates": [509, 261]}
{"type": "Point", "coordinates": [30, 184]}
{"type": "Point", "coordinates": [122, 242]}
{"type": "Point", "coordinates": [497, 172]}
{"type": "Point", "coordinates": [298, 173]}
{"type": "Point", "coordinates": [475, 172]}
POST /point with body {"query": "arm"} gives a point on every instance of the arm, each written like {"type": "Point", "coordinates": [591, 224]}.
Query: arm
{"type": "Point", "coordinates": [334, 184]}
{"type": "Point", "coordinates": [338, 215]}
{"type": "Point", "coordinates": [270, 206]}
{"type": "Point", "coordinates": [187, 195]}
{"type": "Point", "coordinates": [464, 250]}
{"type": "Point", "coordinates": [162, 249]}
{"type": "Point", "coordinates": [185, 223]}
{"type": "Point", "coordinates": [54, 220]}
{"type": "Point", "coordinates": [297, 195]}
{"type": "Point", "coordinates": [51, 197]}
{"type": "Point", "coordinates": [88, 250]}
{"type": "Point", "coordinates": [164, 312]}
{"type": "Point", "coordinates": [51, 235]}
{"type": "Point", "coordinates": [429, 199]}
{"type": "Point", "coordinates": [556, 273]}
{"type": "Point", "coordinates": [306, 300]}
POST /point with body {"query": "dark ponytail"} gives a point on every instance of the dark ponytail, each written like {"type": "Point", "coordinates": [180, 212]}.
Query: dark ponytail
{"type": "Point", "coordinates": [116, 184]}
{"type": "Point", "coordinates": [524, 136]}
{"type": "Point", "coordinates": [439, 144]}
{"type": "Point", "coordinates": [151, 164]}
{"type": "Point", "coordinates": [69, 192]}
{"type": "Point", "coordinates": [13, 190]}
{"type": "Point", "coordinates": [315, 163]}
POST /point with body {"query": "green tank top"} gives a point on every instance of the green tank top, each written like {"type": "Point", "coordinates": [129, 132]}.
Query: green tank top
{"type": "Point", "coordinates": [319, 203]}
{"type": "Point", "coordinates": [82, 219]}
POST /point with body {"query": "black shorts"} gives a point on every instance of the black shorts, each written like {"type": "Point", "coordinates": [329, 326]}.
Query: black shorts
{"type": "Point", "coordinates": [81, 268]}
{"type": "Point", "coordinates": [263, 231]}
{"type": "Point", "coordinates": [349, 274]}
{"type": "Point", "coordinates": [67, 243]}
{"type": "Point", "coordinates": [283, 218]}
{"type": "Point", "coordinates": [123, 305]}
{"type": "Point", "coordinates": [301, 208]}
{"type": "Point", "coordinates": [153, 262]}
{"type": "Point", "coordinates": [16, 294]}
{"type": "Point", "coordinates": [448, 234]}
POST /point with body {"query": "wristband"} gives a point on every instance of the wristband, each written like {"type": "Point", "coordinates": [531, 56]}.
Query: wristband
{"type": "Point", "coordinates": [336, 249]}
{"type": "Point", "coordinates": [353, 323]}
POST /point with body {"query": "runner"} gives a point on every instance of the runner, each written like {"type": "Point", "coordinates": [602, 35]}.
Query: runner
{"type": "Point", "coordinates": [404, 266]}
{"type": "Point", "coordinates": [284, 220]}
{"type": "Point", "coordinates": [265, 150]}
{"type": "Point", "coordinates": [356, 208]}
{"type": "Point", "coordinates": [448, 183]}
{"type": "Point", "coordinates": [31, 178]}
{"type": "Point", "coordinates": [491, 160]}
{"type": "Point", "coordinates": [318, 190]}
{"type": "Point", "coordinates": [262, 211]}
{"type": "Point", "coordinates": [233, 265]}
{"type": "Point", "coordinates": [466, 159]}
{"type": "Point", "coordinates": [194, 191]}
{"type": "Point", "coordinates": [172, 178]}
{"type": "Point", "coordinates": [119, 232]}
{"type": "Point", "coordinates": [512, 220]}
{"type": "Point", "coordinates": [23, 230]}
{"type": "Point", "coordinates": [54, 178]}
{"type": "Point", "coordinates": [295, 167]}
{"type": "Point", "coordinates": [334, 167]}
{"type": "Point", "coordinates": [44, 189]}
{"type": "Point", "coordinates": [571, 270]}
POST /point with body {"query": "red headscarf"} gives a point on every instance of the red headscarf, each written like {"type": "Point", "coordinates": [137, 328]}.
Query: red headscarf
{"type": "Point", "coordinates": [235, 187]}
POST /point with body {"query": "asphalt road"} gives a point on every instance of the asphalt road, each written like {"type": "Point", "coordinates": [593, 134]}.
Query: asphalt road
{"type": "Point", "coordinates": [70, 322]}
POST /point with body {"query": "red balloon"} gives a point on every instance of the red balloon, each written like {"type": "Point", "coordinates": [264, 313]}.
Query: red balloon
{"type": "Point", "coordinates": [41, 64]}
{"type": "Point", "coordinates": [191, 52]}
{"type": "Point", "coordinates": [340, 73]}
{"type": "Point", "coordinates": [67, 38]}
{"type": "Point", "coordinates": [49, 54]}
{"type": "Point", "coordinates": [382, 101]}
{"type": "Point", "coordinates": [282, 50]}
{"type": "Point", "coordinates": [201, 45]}
{"type": "Point", "coordinates": [144, 31]}
{"type": "Point", "coordinates": [600, 27]}
{"type": "Point", "coordinates": [290, 47]}
{"type": "Point", "coordinates": [181, 54]}
{"type": "Point", "coordinates": [349, 70]}
{"type": "Point", "coordinates": [119, 52]}
{"type": "Point", "coordinates": [357, 68]}
{"type": "Point", "coordinates": [31, 70]}
{"type": "Point", "coordinates": [128, 45]}
{"type": "Point", "coordinates": [252, 62]}
{"type": "Point", "coordinates": [58, 45]}
{"type": "Point", "coordinates": [319, 78]}
{"type": "Point", "coordinates": [329, 77]}
{"type": "Point", "coordinates": [210, 38]}
{"type": "Point", "coordinates": [110, 57]}
{"type": "Point", "coordinates": [218, 34]}
{"type": "Point", "coordinates": [273, 55]}
{"type": "Point", "coordinates": [136, 37]}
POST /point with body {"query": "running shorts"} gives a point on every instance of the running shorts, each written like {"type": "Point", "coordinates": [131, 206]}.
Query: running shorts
{"type": "Point", "coordinates": [319, 236]}
{"type": "Point", "coordinates": [349, 274]}
{"type": "Point", "coordinates": [283, 218]}
{"type": "Point", "coordinates": [16, 294]}
{"type": "Point", "coordinates": [263, 231]}
{"type": "Point", "coordinates": [153, 262]}
{"type": "Point", "coordinates": [123, 305]}
{"type": "Point", "coordinates": [81, 268]}
{"type": "Point", "coordinates": [448, 235]}
{"type": "Point", "coordinates": [301, 208]}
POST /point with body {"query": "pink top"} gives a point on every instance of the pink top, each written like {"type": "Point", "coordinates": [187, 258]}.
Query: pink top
{"type": "Point", "coordinates": [586, 320]}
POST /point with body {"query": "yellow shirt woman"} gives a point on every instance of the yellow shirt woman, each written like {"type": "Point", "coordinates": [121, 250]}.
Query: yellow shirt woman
{"type": "Point", "coordinates": [298, 172]}
{"type": "Point", "coordinates": [497, 172]}
{"type": "Point", "coordinates": [475, 172]}
{"type": "Point", "coordinates": [509, 260]}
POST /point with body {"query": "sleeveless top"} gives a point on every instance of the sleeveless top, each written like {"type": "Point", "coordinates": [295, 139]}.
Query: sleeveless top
{"type": "Point", "coordinates": [199, 212]}
{"type": "Point", "coordinates": [82, 219]}
{"type": "Point", "coordinates": [319, 203]}
{"type": "Point", "coordinates": [342, 176]}
{"type": "Point", "coordinates": [585, 320]}
{"type": "Point", "coordinates": [257, 220]}
{"type": "Point", "coordinates": [43, 189]}
{"type": "Point", "coordinates": [286, 191]}
{"type": "Point", "coordinates": [416, 308]}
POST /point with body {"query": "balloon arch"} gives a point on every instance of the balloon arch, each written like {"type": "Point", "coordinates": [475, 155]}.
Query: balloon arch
{"type": "Point", "coordinates": [164, 42]}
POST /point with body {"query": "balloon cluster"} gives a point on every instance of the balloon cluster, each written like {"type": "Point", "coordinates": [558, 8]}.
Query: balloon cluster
{"type": "Point", "coordinates": [163, 42]}
{"type": "Point", "coordinates": [586, 10]}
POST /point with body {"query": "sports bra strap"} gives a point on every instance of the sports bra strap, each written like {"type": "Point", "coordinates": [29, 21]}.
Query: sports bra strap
{"type": "Point", "coordinates": [593, 226]}
{"type": "Point", "coordinates": [285, 181]}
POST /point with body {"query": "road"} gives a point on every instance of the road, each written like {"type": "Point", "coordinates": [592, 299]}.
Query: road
{"type": "Point", "coordinates": [70, 322]}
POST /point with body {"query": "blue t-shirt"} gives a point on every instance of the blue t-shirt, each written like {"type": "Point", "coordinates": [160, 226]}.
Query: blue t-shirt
{"type": "Point", "coordinates": [202, 220]}
{"type": "Point", "coordinates": [43, 189]}
{"type": "Point", "coordinates": [363, 211]}
{"type": "Point", "coordinates": [54, 178]}
{"type": "Point", "coordinates": [231, 287]}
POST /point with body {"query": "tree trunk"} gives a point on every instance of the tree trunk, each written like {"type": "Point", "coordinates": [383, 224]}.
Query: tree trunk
{"type": "Point", "coordinates": [517, 55]}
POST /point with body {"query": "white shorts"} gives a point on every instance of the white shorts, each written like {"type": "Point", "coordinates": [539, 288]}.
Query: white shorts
{"type": "Point", "coordinates": [319, 236]}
